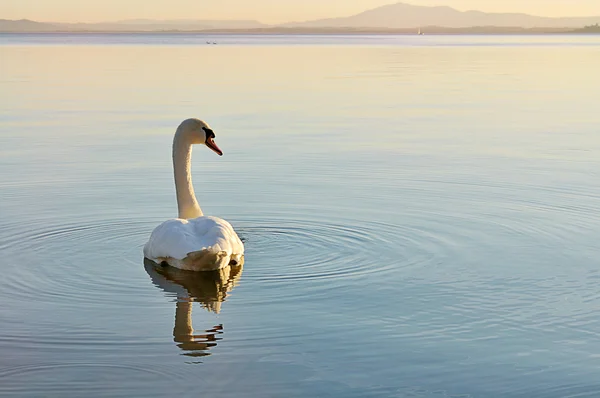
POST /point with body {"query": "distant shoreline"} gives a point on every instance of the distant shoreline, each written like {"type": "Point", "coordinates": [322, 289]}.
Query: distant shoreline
{"type": "Point", "coordinates": [332, 31]}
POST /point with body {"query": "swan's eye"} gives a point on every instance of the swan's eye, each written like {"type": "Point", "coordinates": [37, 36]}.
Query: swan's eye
{"type": "Point", "coordinates": [209, 132]}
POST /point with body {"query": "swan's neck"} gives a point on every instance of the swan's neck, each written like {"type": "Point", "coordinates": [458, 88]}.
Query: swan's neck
{"type": "Point", "coordinates": [182, 166]}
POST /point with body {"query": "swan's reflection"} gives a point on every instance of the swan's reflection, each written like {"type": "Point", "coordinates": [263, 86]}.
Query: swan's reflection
{"type": "Point", "coordinates": [209, 288]}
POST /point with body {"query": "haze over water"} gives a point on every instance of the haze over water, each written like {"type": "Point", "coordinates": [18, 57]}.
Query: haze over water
{"type": "Point", "coordinates": [420, 216]}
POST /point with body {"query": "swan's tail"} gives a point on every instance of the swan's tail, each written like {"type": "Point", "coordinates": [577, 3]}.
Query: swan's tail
{"type": "Point", "coordinates": [207, 260]}
{"type": "Point", "coordinates": [204, 260]}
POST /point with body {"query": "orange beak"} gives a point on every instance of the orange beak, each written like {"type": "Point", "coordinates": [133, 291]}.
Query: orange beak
{"type": "Point", "coordinates": [211, 144]}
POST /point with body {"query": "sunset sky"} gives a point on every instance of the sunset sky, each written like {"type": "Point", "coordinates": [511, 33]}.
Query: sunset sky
{"type": "Point", "coordinates": [268, 11]}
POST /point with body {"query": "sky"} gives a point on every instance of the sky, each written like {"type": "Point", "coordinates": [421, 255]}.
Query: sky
{"type": "Point", "coordinates": [267, 11]}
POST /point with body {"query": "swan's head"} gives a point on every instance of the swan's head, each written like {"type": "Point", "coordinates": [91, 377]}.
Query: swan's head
{"type": "Point", "coordinates": [199, 132]}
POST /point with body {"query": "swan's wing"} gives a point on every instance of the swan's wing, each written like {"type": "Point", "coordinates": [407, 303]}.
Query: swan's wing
{"type": "Point", "coordinates": [177, 238]}
{"type": "Point", "coordinates": [173, 238]}
{"type": "Point", "coordinates": [217, 235]}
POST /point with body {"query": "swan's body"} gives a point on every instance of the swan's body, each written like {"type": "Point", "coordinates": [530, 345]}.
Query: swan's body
{"type": "Point", "coordinates": [193, 241]}
{"type": "Point", "coordinates": [199, 244]}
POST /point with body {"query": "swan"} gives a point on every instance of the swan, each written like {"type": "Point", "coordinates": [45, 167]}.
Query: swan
{"type": "Point", "coordinates": [193, 241]}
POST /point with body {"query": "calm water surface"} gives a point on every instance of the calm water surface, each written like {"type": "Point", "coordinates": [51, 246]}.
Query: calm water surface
{"type": "Point", "coordinates": [421, 216]}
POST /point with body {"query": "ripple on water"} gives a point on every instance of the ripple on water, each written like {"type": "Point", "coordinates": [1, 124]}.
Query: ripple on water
{"type": "Point", "coordinates": [59, 379]}
{"type": "Point", "coordinates": [310, 249]}
{"type": "Point", "coordinates": [80, 262]}
{"type": "Point", "coordinates": [456, 237]}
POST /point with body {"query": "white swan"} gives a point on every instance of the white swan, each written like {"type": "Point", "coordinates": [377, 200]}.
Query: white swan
{"type": "Point", "coordinates": [193, 241]}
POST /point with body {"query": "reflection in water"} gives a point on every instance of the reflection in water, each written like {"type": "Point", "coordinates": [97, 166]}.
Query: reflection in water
{"type": "Point", "coordinates": [209, 288]}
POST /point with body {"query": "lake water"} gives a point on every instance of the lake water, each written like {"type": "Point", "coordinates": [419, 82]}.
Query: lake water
{"type": "Point", "coordinates": [421, 216]}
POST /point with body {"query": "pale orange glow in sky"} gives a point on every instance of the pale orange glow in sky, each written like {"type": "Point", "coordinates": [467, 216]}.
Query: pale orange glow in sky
{"type": "Point", "coordinates": [267, 11]}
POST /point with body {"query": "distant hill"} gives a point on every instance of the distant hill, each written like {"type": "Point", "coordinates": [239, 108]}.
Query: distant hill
{"type": "Point", "coordinates": [214, 24]}
{"type": "Point", "coordinates": [401, 15]}
{"type": "Point", "coordinates": [25, 25]}
{"type": "Point", "coordinates": [589, 29]}
{"type": "Point", "coordinates": [148, 25]}
{"type": "Point", "coordinates": [134, 25]}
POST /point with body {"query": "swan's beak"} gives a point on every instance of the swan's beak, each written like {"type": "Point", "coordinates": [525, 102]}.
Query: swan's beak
{"type": "Point", "coordinates": [211, 144]}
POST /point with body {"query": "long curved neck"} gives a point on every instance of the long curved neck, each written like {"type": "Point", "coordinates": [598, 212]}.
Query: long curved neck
{"type": "Point", "coordinates": [182, 167]}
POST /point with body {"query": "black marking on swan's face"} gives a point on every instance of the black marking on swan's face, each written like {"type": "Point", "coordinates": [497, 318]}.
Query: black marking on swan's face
{"type": "Point", "coordinates": [209, 133]}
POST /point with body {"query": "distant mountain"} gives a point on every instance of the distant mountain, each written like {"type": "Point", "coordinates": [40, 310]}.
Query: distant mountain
{"type": "Point", "coordinates": [401, 15]}
{"type": "Point", "coordinates": [214, 24]}
{"type": "Point", "coordinates": [25, 25]}
{"type": "Point", "coordinates": [176, 24]}
{"type": "Point", "coordinates": [134, 25]}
